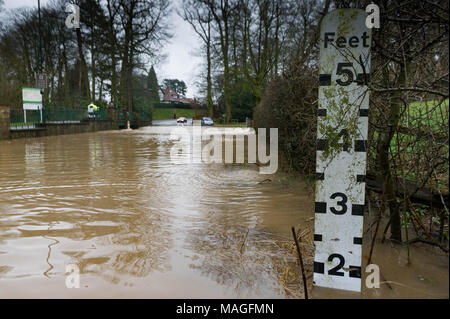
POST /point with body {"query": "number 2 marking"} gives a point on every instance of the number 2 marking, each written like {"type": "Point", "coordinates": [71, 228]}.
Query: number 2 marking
{"type": "Point", "coordinates": [334, 271]}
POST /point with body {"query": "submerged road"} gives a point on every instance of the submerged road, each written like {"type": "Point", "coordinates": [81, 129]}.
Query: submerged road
{"type": "Point", "coordinates": [170, 122]}
{"type": "Point", "coordinates": [138, 225]}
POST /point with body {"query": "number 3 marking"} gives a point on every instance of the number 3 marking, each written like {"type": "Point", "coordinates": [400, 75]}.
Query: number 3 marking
{"type": "Point", "coordinates": [341, 203]}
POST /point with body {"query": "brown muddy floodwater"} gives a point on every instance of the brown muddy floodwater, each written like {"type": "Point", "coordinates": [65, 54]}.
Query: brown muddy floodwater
{"type": "Point", "coordinates": [139, 226]}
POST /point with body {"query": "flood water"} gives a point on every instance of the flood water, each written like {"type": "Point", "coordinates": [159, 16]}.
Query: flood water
{"type": "Point", "coordinates": [139, 226]}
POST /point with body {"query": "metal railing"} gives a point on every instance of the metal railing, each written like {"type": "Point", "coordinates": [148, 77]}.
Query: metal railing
{"type": "Point", "coordinates": [64, 116]}
{"type": "Point", "coordinates": [101, 114]}
{"type": "Point", "coordinates": [20, 119]}
{"type": "Point", "coordinates": [31, 119]}
{"type": "Point", "coordinates": [132, 117]}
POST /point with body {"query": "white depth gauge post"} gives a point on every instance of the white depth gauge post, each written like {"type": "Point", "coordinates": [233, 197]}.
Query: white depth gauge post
{"type": "Point", "coordinates": [341, 149]}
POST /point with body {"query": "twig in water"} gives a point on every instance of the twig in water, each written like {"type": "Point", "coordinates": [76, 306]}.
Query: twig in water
{"type": "Point", "coordinates": [300, 258]}
{"type": "Point", "coordinates": [385, 281]}
{"type": "Point", "coordinates": [243, 243]}
{"type": "Point", "coordinates": [380, 212]}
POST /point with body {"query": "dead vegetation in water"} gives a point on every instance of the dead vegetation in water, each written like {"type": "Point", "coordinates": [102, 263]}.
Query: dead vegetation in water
{"type": "Point", "coordinates": [252, 261]}
{"type": "Point", "coordinates": [288, 269]}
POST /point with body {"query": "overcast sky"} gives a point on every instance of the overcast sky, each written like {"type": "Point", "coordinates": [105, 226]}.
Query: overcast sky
{"type": "Point", "coordinates": [181, 62]}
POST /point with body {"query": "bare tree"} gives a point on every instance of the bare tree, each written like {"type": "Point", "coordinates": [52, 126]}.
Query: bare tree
{"type": "Point", "coordinates": [144, 29]}
{"type": "Point", "coordinates": [200, 18]}
{"type": "Point", "coordinates": [221, 11]}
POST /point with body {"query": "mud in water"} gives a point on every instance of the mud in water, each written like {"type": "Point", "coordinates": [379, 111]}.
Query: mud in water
{"type": "Point", "coordinates": [139, 226]}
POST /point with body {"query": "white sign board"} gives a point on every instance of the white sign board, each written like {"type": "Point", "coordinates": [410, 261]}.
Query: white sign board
{"type": "Point", "coordinates": [341, 149]}
{"type": "Point", "coordinates": [32, 99]}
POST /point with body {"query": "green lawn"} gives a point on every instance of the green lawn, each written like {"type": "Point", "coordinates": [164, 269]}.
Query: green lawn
{"type": "Point", "coordinates": [426, 117]}
{"type": "Point", "coordinates": [430, 112]}
{"type": "Point", "coordinates": [230, 124]}
{"type": "Point", "coordinates": [23, 124]}
{"type": "Point", "coordinates": [166, 113]}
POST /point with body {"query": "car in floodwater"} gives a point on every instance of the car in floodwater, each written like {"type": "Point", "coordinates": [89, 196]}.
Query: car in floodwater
{"type": "Point", "coordinates": [182, 120]}
{"type": "Point", "coordinates": [207, 121]}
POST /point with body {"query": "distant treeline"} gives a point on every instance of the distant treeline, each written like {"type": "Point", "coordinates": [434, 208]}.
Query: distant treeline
{"type": "Point", "coordinates": [107, 58]}
{"type": "Point", "coordinates": [248, 43]}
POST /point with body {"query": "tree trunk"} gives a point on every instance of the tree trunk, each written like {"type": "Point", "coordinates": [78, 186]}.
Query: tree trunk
{"type": "Point", "coordinates": [83, 68]}
{"type": "Point", "coordinates": [93, 73]}
{"type": "Point", "coordinates": [67, 99]}
{"type": "Point", "coordinates": [114, 80]}
{"type": "Point", "coordinates": [384, 142]}
{"type": "Point", "coordinates": [227, 88]}
{"type": "Point", "coordinates": [226, 73]}
{"type": "Point", "coordinates": [100, 95]}
{"type": "Point", "coordinates": [123, 81]}
{"type": "Point", "coordinates": [112, 39]}
{"type": "Point", "coordinates": [208, 76]}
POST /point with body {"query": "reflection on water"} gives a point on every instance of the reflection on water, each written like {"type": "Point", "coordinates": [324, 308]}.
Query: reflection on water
{"type": "Point", "coordinates": [115, 205]}
{"type": "Point", "coordinates": [138, 225]}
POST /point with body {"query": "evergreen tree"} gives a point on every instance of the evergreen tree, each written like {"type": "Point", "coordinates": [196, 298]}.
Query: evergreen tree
{"type": "Point", "coordinates": [178, 86]}
{"type": "Point", "coordinates": [152, 85]}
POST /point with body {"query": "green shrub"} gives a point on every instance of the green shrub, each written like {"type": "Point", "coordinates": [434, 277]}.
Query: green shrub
{"type": "Point", "coordinates": [289, 103]}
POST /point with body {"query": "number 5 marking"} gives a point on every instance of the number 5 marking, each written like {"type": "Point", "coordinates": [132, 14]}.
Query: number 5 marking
{"type": "Point", "coordinates": [347, 72]}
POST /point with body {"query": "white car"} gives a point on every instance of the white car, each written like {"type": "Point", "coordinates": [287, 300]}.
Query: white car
{"type": "Point", "coordinates": [182, 120]}
{"type": "Point", "coordinates": [207, 121]}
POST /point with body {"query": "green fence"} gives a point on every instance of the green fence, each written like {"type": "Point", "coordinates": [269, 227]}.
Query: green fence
{"type": "Point", "coordinates": [64, 116]}
{"type": "Point", "coordinates": [32, 118]}
{"type": "Point", "coordinates": [19, 118]}
{"type": "Point", "coordinates": [133, 117]}
{"type": "Point", "coordinates": [122, 118]}
{"type": "Point", "coordinates": [101, 114]}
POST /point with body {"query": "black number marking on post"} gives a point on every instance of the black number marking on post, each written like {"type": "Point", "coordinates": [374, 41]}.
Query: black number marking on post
{"type": "Point", "coordinates": [334, 271]}
{"type": "Point", "coordinates": [342, 203]}
{"type": "Point", "coordinates": [345, 140]}
{"type": "Point", "coordinates": [347, 73]}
